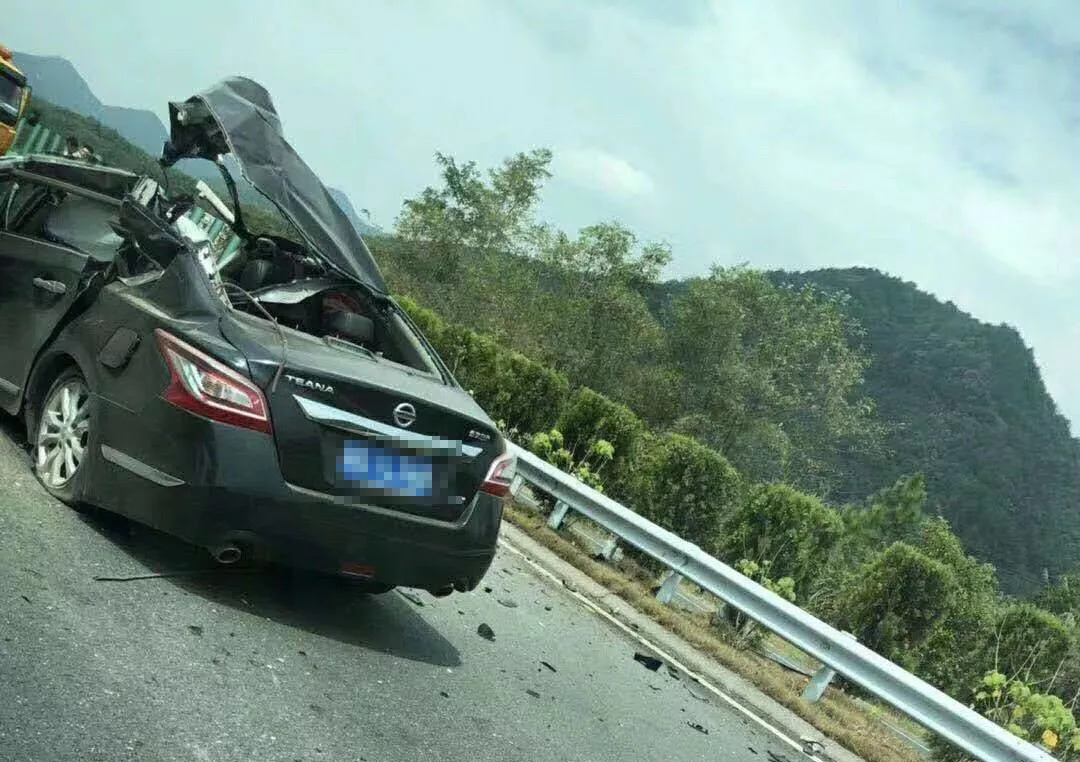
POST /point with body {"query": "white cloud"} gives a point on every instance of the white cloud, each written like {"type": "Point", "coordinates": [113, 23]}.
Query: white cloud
{"type": "Point", "coordinates": [597, 169]}
{"type": "Point", "coordinates": [930, 140]}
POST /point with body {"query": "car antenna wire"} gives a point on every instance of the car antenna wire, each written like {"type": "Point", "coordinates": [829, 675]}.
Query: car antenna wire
{"type": "Point", "coordinates": [277, 326]}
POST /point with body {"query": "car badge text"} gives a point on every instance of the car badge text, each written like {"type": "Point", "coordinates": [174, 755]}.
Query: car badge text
{"type": "Point", "coordinates": [308, 383]}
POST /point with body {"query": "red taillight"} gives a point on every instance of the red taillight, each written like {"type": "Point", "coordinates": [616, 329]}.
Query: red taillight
{"type": "Point", "coordinates": [499, 476]}
{"type": "Point", "coordinates": [209, 388]}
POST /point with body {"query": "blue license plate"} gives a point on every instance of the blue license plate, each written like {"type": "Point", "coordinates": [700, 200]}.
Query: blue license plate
{"type": "Point", "coordinates": [368, 466]}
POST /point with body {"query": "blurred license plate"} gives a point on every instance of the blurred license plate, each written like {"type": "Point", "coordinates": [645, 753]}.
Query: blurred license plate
{"type": "Point", "coordinates": [366, 465]}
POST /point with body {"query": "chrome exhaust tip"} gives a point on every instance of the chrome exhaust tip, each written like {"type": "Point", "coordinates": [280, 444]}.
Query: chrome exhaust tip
{"type": "Point", "coordinates": [227, 554]}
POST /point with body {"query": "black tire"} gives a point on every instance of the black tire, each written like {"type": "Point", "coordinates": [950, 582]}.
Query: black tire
{"type": "Point", "coordinates": [50, 462]}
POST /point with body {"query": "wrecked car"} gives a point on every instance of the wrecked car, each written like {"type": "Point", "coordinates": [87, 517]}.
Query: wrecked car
{"type": "Point", "coordinates": [275, 404]}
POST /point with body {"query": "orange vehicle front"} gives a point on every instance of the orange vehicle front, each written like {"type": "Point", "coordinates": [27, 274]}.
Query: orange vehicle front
{"type": "Point", "coordinates": [14, 99]}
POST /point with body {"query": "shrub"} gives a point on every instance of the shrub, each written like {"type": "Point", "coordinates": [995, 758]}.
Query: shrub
{"type": "Point", "coordinates": [587, 467]}
{"type": "Point", "coordinates": [1036, 717]}
{"type": "Point", "coordinates": [790, 531]}
{"type": "Point", "coordinates": [1031, 644]}
{"type": "Point", "coordinates": [590, 417]}
{"type": "Point", "coordinates": [898, 600]}
{"type": "Point", "coordinates": [685, 487]}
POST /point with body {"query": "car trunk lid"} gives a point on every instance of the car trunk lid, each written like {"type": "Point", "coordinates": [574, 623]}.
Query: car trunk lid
{"type": "Point", "coordinates": [351, 425]}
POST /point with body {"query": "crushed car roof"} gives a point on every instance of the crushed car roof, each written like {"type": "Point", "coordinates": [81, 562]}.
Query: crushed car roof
{"type": "Point", "coordinates": [237, 116]}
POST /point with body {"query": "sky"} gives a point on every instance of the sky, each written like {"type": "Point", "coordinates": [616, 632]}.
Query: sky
{"type": "Point", "coordinates": [936, 141]}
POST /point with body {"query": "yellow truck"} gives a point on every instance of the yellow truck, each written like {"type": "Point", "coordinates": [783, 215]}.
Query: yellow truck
{"type": "Point", "coordinates": [14, 99]}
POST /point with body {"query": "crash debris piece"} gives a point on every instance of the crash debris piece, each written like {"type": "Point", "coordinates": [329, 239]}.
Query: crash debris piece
{"type": "Point", "coordinates": [508, 603]}
{"type": "Point", "coordinates": [485, 631]}
{"type": "Point", "coordinates": [649, 662]}
{"type": "Point", "coordinates": [698, 727]}
{"type": "Point", "coordinates": [549, 666]}
{"type": "Point", "coordinates": [812, 745]}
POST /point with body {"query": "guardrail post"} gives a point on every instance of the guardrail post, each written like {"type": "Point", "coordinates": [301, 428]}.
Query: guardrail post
{"type": "Point", "coordinates": [669, 588]}
{"type": "Point", "coordinates": [821, 680]}
{"type": "Point", "coordinates": [557, 516]}
{"type": "Point", "coordinates": [609, 549]}
{"type": "Point", "coordinates": [516, 484]}
{"type": "Point", "coordinates": [818, 683]}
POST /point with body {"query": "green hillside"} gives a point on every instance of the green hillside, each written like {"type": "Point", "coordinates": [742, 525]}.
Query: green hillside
{"type": "Point", "coordinates": [972, 413]}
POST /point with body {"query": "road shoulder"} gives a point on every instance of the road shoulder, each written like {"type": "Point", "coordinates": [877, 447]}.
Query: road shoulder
{"type": "Point", "coordinates": [733, 686]}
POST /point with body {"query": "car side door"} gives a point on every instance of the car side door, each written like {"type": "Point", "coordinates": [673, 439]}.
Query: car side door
{"type": "Point", "coordinates": [39, 281]}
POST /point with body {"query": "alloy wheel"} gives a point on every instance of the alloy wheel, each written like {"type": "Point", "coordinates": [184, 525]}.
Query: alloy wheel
{"type": "Point", "coordinates": [63, 433]}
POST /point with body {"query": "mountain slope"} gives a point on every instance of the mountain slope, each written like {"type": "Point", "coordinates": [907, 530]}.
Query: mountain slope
{"type": "Point", "coordinates": [57, 81]}
{"type": "Point", "coordinates": [974, 416]}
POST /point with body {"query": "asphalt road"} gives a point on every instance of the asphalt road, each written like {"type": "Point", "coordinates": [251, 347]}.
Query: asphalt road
{"type": "Point", "coordinates": [218, 666]}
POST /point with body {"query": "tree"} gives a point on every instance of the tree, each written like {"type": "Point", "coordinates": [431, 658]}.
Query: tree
{"type": "Point", "coordinates": [897, 601]}
{"type": "Point", "coordinates": [770, 376]}
{"type": "Point", "coordinates": [960, 648]}
{"type": "Point", "coordinates": [1063, 597]}
{"type": "Point", "coordinates": [467, 213]}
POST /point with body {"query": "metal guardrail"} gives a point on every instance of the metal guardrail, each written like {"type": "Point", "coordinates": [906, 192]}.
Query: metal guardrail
{"type": "Point", "coordinates": [926, 705]}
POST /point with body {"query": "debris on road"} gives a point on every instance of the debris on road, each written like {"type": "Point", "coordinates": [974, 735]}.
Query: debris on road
{"type": "Point", "coordinates": [195, 629]}
{"type": "Point", "coordinates": [649, 662]}
{"type": "Point", "coordinates": [487, 589]}
{"type": "Point", "coordinates": [812, 745]}
{"type": "Point", "coordinates": [532, 693]}
{"type": "Point", "coordinates": [25, 598]}
{"type": "Point", "coordinates": [411, 597]}
{"type": "Point", "coordinates": [697, 726]}
{"type": "Point", "coordinates": [508, 603]}
{"type": "Point", "coordinates": [703, 699]}
{"type": "Point", "coordinates": [486, 632]}
{"type": "Point", "coordinates": [549, 666]}
{"type": "Point", "coordinates": [444, 694]}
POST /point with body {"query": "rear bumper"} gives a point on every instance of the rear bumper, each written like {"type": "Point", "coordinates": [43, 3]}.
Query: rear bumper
{"type": "Point", "coordinates": [213, 484]}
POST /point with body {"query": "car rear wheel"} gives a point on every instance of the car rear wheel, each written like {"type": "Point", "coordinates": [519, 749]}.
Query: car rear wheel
{"type": "Point", "coordinates": [62, 439]}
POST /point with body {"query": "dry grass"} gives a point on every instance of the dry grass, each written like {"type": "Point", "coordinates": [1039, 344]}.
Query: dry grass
{"type": "Point", "coordinates": [837, 716]}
